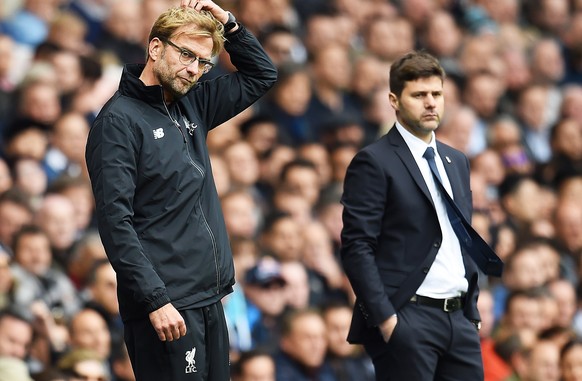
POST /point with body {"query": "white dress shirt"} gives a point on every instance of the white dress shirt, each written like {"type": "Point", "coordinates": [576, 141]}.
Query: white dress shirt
{"type": "Point", "coordinates": [446, 276]}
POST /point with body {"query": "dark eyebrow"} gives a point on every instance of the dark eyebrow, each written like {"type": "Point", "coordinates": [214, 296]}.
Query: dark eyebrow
{"type": "Point", "coordinates": [427, 92]}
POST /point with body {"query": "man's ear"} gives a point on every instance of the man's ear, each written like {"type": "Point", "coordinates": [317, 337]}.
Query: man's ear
{"type": "Point", "coordinates": [394, 101]}
{"type": "Point", "coordinates": [155, 48]}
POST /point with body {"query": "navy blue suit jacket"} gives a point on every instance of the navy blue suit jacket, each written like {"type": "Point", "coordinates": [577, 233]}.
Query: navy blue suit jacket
{"type": "Point", "coordinates": [391, 233]}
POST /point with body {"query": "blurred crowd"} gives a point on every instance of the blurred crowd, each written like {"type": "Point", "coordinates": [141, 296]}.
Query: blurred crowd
{"type": "Point", "coordinates": [513, 106]}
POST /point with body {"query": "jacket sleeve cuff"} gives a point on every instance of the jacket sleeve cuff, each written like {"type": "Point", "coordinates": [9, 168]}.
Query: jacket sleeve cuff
{"type": "Point", "coordinates": [234, 35]}
{"type": "Point", "coordinates": [158, 301]}
{"type": "Point", "coordinates": [374, 317]}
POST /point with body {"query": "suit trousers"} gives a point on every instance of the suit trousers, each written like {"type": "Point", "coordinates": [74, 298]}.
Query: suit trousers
{"type": "Point", "coordinates": [201, 355]}
{"type": "Point", "coordinates": [429, 344]}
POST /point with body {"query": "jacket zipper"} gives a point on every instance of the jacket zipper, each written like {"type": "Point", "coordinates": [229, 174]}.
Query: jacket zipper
{"type": "Point", "coordinates": [214, 251]}
{"type": "Point", "coordinates": [206, 224]}
{"type": "Point", "coordinates": [177, 124]}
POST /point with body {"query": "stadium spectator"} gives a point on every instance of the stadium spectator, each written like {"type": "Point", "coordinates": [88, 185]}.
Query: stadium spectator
{"type": "Point", "coordinates": [319, 156]}
{"type": "Point", "coordinates": [300, 176]}
{"type": "Point", "coordinates": [287, 104]}
{"type": "Point", "coordinates": [38, 278]}
{"type": "Point", "coordinates": [264, 288]}
{"type": "Point", "coordinates": [281, 237]}
{"type": "Point", "coordinates": [541, 362]}
{"type": "Point", "coordinates": [261, 132]}
{"type": "Point", "coordinates": [15, 334]}
{"type": "Point", "coordinates": [571, 360]}
{"type": "Point", "coordinates": [329, 97]}
{"type": "Point", "coordinates": [241, 214]}
{"type": "Point", "coordinates": [102, 297]}
{"type": "Point", "coordinates": [282, 44]}
{"type": "Point", "coordinates": [349, 362]}
{"type": "Point", "coordinates": [298, 289]}
{"type": "Point", "coordinates": [56, 216]}
{"type": "Point", "coordinates": [303, 346]}
{"type": "Point", "coordinates": [66, 154]}
{"type": "Point", "coordinates": [293, 203]}
{"type": "Point", "coordinates": [88, 331]}
{"type": "Point", "coordinates": [254, 365]}
{"type": "Point", "coordinates": [122, 32]}
{"type": "Point", "coordinates": [243, 166]}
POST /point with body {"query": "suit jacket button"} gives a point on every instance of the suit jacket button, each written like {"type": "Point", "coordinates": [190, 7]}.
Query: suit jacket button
{"type": "Point", "coordinates": [437, 244]}
{"type": "Point", "coordinates": [425, 270]}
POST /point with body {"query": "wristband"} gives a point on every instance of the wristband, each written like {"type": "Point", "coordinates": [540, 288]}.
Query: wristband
{"type": "Point", "coordinates": [230, 23]}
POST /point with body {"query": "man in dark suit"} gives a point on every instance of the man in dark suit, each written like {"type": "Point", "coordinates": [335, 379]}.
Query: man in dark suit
{"type": "Point", "coordinates": [411, 270]}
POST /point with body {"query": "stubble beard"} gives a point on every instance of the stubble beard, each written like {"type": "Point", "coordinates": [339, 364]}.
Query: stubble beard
{"type": "Point", "coordinates": [172, 83]}
{"type": "Point", "coordinates": [420, 127]}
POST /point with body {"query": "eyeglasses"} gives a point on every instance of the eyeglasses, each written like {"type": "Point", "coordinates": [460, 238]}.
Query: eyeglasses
{"type": "Point", "coordinates": [188, 58]}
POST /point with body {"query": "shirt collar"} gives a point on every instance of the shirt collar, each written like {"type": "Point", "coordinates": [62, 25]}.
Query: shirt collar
{"type": "Point", "coordinates": [417, 146]}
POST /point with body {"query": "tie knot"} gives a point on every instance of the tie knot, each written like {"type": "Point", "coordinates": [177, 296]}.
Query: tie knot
{"type": "Point", "coordinates": [429, 153]}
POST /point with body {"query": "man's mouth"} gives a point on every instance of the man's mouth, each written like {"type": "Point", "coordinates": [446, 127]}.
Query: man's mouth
{"type": "Point", "coordinates": [187, 81]}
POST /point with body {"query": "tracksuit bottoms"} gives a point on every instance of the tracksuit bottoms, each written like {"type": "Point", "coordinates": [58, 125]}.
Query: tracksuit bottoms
{"type": "Point", "coordinates": [201, 355]}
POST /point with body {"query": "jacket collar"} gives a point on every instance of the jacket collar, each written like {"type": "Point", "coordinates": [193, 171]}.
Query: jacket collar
{"type": "Point", "coordinates": [131, 86]}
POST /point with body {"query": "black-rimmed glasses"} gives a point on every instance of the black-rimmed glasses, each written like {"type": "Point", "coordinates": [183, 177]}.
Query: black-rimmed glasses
{"type": "Point", "coordinates": [187, 58]}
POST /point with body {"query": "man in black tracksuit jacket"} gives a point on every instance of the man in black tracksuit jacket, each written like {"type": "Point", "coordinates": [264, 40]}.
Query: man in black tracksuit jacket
{"type": "Point", "coordinates": [158, 211]}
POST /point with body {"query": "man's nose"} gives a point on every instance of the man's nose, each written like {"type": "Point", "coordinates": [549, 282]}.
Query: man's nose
{"type": "Point", "coordinates": [194, 67]}
{"type": "Point", "coordinates": [430, 101]}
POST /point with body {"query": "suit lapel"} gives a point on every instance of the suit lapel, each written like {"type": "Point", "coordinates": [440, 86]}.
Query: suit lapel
{"type": "Point", "coordinates": [452, 169]}
{"type": "Point", "coordinates": [403, 152]}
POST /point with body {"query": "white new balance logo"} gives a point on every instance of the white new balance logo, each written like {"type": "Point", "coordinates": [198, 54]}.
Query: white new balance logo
{"type": "Point", "coordinates": [158, 133]}
{"type": "Point", "coordinates": [191, 367]}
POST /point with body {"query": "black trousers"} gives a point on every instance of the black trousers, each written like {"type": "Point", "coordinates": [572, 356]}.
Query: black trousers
{"type": "Point", "coordinates": [201, 355]}
{"type": "Point", "coordinates": [429, 344]}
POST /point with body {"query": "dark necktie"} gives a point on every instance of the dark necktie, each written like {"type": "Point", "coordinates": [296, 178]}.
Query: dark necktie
{"type": "Point", "coordinates": [452, 209]}
{"type": "Point", "coordinates": [483, 256]}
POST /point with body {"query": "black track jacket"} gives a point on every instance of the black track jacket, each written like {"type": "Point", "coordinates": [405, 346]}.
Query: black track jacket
{"type": "Point", "coordinates": [158, 212]}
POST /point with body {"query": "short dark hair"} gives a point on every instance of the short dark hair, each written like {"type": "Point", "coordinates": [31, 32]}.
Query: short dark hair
{"type": "Point", "coordinates": [17, 313]}
{"type": "Point", "coordinates": [574, 342]}
{"type": "Point", "coordinates": [65, 182]}
{"type": "Point", "coordinates": [296, 163]}
{"type": "Point", "coordinates": [273, 29]}
{"type": "Point", "coordinates": [94, 269]}
{"type": "Point", "coordinates": [511, 184]}
{"type": "Point", "coordinates": [245, 357]}
{"type": "Point", "coordinates": [15, 196]}
{"type": "Point", "coordinates": [272, 218]}
{"type": "Point", "coordinates": [535, 293]}
{"type": "Point", "coordinates": [254, 120]}
{"type": "Point", "coordinates": [291, 316]}
{"type": "Point", "coordinates": [26, 230]}
{"type": "Point", "coordinates": [413, 66]}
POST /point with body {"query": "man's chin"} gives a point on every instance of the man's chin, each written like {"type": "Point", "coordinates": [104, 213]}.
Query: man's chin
{"type": "Point", "coordinates": [181, 89]}
{"type": "Point", "coordinates": [179, 93]}
{"type": "Point", "coordinates": [430, 125]}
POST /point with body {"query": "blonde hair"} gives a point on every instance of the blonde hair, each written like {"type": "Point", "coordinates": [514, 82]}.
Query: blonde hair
{"type": "Point", "coordinates": [197, 24]}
